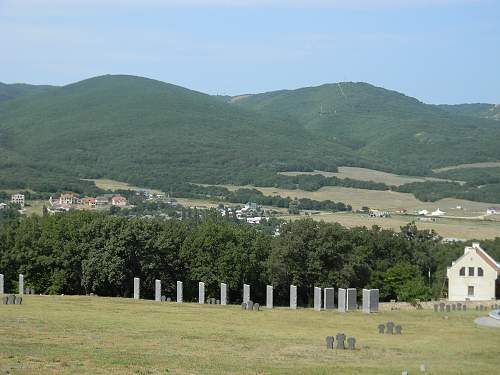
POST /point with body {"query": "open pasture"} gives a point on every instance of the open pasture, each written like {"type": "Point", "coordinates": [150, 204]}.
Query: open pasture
{"type": "Point", "coordinates": [365, 174]}
{"type": "Point", "coordinates": [95, 335]}
{"type": "Point", "coordinates": [492, 164]}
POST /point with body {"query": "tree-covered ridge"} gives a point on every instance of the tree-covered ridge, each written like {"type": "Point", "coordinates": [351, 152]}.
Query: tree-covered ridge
{"type": "Point", "coordinates": [83, 252]}
{"type": "Point", "coordinates": [481, 110]}
{"type": "Point", "coordinates": [17, 90]}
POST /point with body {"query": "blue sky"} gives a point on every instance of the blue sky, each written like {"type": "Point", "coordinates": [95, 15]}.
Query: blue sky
{"type": "Point", "coordinates": [440, 51]}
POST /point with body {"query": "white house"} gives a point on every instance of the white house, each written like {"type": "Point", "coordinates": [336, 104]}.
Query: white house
{"type": "Point", "coordinates": [18, 198]}
{"type": "Point", "coordinates": [473, 276]}
{"type": "Point", "coordinates": [438, 212]}
{"type": "Point", "coordinates": [422, 212]}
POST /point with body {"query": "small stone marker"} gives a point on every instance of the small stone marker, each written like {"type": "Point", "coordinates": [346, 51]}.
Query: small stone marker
{"type": "Point", "coordinates": [390, 328]}
{"type": "Point", "coordinates": [4, 300]}
{"type": "Point", "coordinates": [448, 309]}
{"type": "Point", "coordinates": [269, 297]}
{"type": "Point", "coordinates": [441, 307]}
{"type": "Point", "coordinates": [21, 284]}
{"type": "Point", "coordinates": [329, 342]}
{"type": "Point", "coordinates": [250, 305]}
{"type": "Point", "coordinates": [436, 307]}
{"type": "Point", "coordinates": [398, 329]}
{"type": "Point", "coordinates": [464, 308]}
{"type": "Point", "coordinates": [11, 298]}
{"type": "Point", "coordinates": [329, 298]}
{"type": "Point", "coordinates": [169, 299]}
{"type": "Point", "coordinates": [243, 306]}
{"type": "Point", "coordinates": [157, 290]}
{"type": "Point", "coordinates": [477, 308]}
{"type": "Point", "coordinates": [293, 297]}
{"type": "Point", "coordinates": [256, 307]}
{"type": "Point", "coordinates": [223, 294]}
{"type": "Point", "coordinates": [317, 299]}
{"type": "Point", "coordinates": [381, 328]}
{"type": "Point", "coordinates": [352, 304]}
{"type": "Point", "coordinates": [246, 293]}
{"type": "Point", "coordinates": [341, 305]}
{"type": "Point", "coordinates": [217, 301]}
{"type": "Point", "coordinates": [453, 307]}
{"type": "Point", "coordinates": [404, 373]}
{"type": "Point", "coordinates": [136, 288]}
{"type": "Point", "coordinates": [18, 300]}
{"type": "Point", "coordinates": [423, 368]}
{"type": "Point", "coordinates": [180, 297]}
{"type": "Point", "coordinates": [33, 291]}
{"type": "Point", "coordinates": [201, 292]}
{"type": "Point", "coordinates": [340, 337]}
{"type": "Point", "coordinates": [481, 308]}
{"type": "Point", "coordinates": [1, 284]}
{"type": "Point", "coordinates": [459, 306]}
{"type": "Point", "coordinates": [351, 343]}
{"type": "Point", "coordinates": [163, 298]}
{"type": "Point", "coordinates": [212, 301]}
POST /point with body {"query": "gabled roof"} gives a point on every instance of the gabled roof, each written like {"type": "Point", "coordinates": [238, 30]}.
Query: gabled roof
{"type": "Point", "coordinates": [483, 254]}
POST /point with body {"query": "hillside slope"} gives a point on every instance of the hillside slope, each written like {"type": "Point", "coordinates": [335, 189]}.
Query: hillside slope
{"type": "Point", "coordinates": [481, 110]}
{"type": "Point", "coordinates": [395, 132]}
{"type": "Point", "coordinates": [17, 90]}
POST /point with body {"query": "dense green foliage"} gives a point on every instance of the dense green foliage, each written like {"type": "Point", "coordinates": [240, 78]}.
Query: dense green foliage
{"type": "Point", "coordinates": [81, 252]}
{"type": "Point", "coordinates": [481, 110]}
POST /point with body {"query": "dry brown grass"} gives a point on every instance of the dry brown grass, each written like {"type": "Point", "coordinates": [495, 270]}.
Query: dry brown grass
{"type": "Point", "coordinates": [465, 166]}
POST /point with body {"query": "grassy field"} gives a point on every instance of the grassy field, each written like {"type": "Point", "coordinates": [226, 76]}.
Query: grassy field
{"type": "Point", "coordinates": [365, 174]}
{"type": "Point", "coordinates": [106, 184]}
{"type": "Point", "coordinates": [456, 228]}
{"type": "Point", "coordinates": [93, 335]}
{"type": "Point", "coordinates": [466, 166]}
{"type": "Point", "coordinates": [35, 207]}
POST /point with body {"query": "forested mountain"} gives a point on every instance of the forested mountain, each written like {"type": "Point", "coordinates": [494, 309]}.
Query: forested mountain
{"type": "Point", "coordinates": [395, 132]}
{"type": "Point", "coordinates": [156, 134]}
{"type": "Point", "coordinates": [481, 110]}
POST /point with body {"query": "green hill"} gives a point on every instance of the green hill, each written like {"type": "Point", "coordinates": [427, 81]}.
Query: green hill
{"type": "Point", "coordinates": [395, 132]}
{"type": "Point", "coordinates": [17, 90]}
{"type": "Point", "coordinates": [481, 110]}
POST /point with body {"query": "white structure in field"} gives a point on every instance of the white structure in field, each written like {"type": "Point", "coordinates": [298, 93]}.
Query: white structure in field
{"type": "Point", "coordinates": [438, 212]}
{"type": "Point", "coordinates": [18, 199]}
{"type": "Point", "coordinates": [473, 276]}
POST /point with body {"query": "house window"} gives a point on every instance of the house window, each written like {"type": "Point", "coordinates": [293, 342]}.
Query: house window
{"type": "Point", "coordinates": [470, 291]}
{"type": "Point", "coordinates": [480, 271]}
{"type": "Point", "coordinates": [462, 271]}
{"type": "Point", "coordinates": [471, 271]}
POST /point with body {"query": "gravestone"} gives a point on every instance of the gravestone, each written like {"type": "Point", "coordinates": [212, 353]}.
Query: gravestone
{"type": "Point", "coordinates": [157, 290]}
{"type": "Point", "coordinates": [464, 308]}
{"type": "Point", "coordinates": [163, 298]}
{"type": "Point", "coordinates": [441, 307]}
{"type": "Point", "coordinates": [448, 308]}
{"type": "Point", "coordinates": [256, 307]}
{"type": "Point", "coordinates": [404, 373]}
{"type": "Point", "coordinates": [217, 301]}
{"type": "Point", "coordinates": [453, 307]}
{"type": "Point", "coordinates": [246, 293]}
{"type": "Point", "coordinates": [436, 307]}
{"type": "Point", "coordinates": [340, 337]}
{"type": "Point", "coordinates": [351, 343]}
{"type": "Point", "coordinates": [317, 299]}
{"type": "Point", "coordinates": [481, 308]}
{"type": "Point", "coordinates": [243, 306]}
{"type": "Point", "coordinates": [398, 329]}
{"type": "Point", "coordinates": [18, 300]}
{"type": "Point", "coordinates": [4, 300]}
{"type": "Point", "coordinates": [21, 284]}
{"type": "Point", "coordinates": [370, 300]}
{"type": "Point", "coordinates": [477, 308]}
{"type": "Point", "coordinates": [136, 288]}
{"type": "Point", "coordinates": [329, 342]}
{"type": "Point", "coordinates": [329, 298]}
{"type": "Point", "coordinates": [11, 298]}
{"type": "Point", "coordinates": [250, 305]}
{"type": "Point", "coordinates": [341, 300]}
{"type": "Point", "coordinates": [169, 299]}
{"type": "Point", "coordinates": [390, 328]}
{"type": "Point", "coordinates": [223, 294]}
{"type": "Point", "coordinates": [1, 284]}
{"type": "Point", "coordinates": [201, 292]}
{"type": "Point", "coordinates": [423, 368]}
{"type": "Point", "coordinates": [180, 291]}
{"type": "Point", "coordinates": [459, 306]}
{"type": "Point", "coordinates": [212, 301]}
{"type": "Point", "coordinates": [33, 291]}
{"type": "Point", "coordinates": [269, 296]}
{"type": "Point", "coordinates": [293, 297]}
{"type": "Point", "coordinates": [381, 328]}
{"type": "Point", "coordinates": [351, 304]}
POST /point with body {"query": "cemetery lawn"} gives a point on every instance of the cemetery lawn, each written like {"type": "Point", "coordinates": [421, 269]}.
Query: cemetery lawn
{"type": "Point", "coordinates": [94, 335]}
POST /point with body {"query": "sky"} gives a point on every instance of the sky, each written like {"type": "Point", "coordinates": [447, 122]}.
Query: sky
{"type": "Point", "coordinates": [439, 51]}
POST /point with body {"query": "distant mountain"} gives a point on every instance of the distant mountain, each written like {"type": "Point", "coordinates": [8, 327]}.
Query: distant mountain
{"type": "Point", "coordinates": [17, 90]}
{"type": "Point", "coordinates": [481, 110]}
{"type": "Point", "coordinates": [393, 131]}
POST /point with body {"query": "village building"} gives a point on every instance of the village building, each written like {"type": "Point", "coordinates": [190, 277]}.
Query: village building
{"type": "Point", "coordinates": [69, 199]}
{"type": "Point", "coordinates": [18, 199]}
{"type": "Point", "coordinates": [2, 206]}
{"type": "Point", "coordinates": [493, 211]}
{"type": "Point", "coordinates": [118, 201]}
{"type": "Point", "coordinates": [89, 202]}
{"type": "Point", "coordinates": [473, 276]}
{"type": "Point", "coordinates": [438, 212]}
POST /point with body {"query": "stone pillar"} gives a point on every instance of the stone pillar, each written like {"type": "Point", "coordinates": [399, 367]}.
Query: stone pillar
{"type": "Point", "coordinates": [21, 284]}
{"type": "Point", "coordinates": [137, 294]}
{"type": "Point", "coordinates": [317, 299]}
{"type": "Point", "coordinates": [179, 292]}
{"type": "Point", "coordinates": [352, 304]}
{"type": "Point", "coordinates": [341, 303]}
{"type": "Point", "coordinates": [293, 297]}
{"type": "Point", "coordinates": [269, 297]}
{"type": "Point", "coordinates": [223, 294]}
{"type": "Point", "coordinates": [201, 292]}
{"type": "Point", "coordinates": [246, 293]}
{"type": "Point", "coordinates": [370, 300]}
{"type": "Point", "coordinates": [329, 298]}
{"type": "Point", "coordinates": [158, 290]}
{"type": "Point", "coordinates": [1, 284]}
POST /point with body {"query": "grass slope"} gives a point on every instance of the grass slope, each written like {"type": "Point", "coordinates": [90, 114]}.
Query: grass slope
{"type": "Point", "coordinates": [90, 335]}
